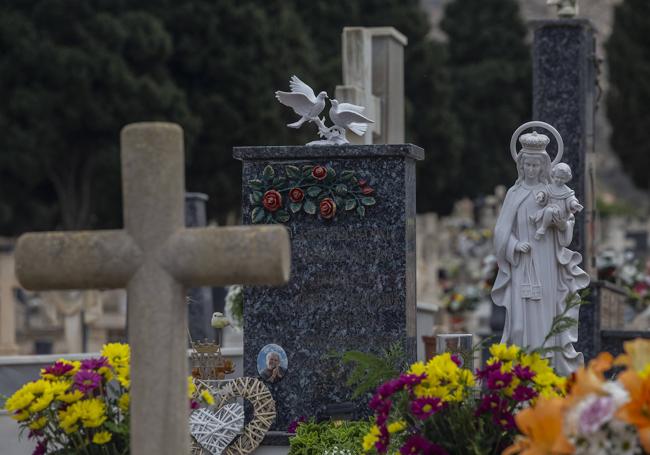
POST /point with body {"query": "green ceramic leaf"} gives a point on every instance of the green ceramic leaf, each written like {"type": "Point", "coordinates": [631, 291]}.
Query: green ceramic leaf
{"type": "Point", "coordinates": [309, 207]}
{"type": "Point", "coordinates": [313, 191]}
{"type": "Point", "coordinates": [306, 171]}
{"type": "Point", "coordinates": [331, 173]}
{"type": "Point", "coordinates": [257, 215]}
{"type": "Point", "coordinates": [276, 181]}
{"type": "Point", "coordinates": [295, 206]}
{"type": "Point", "coordinates": [361, 210]}
{"type": "Point", "coordinates": [256, 184]}
{"type": "Point", "coordinates": [282, 216]}
{"type": "Point", "coordinates": [292, 172]}
{"type": "Point", "coordinates": [350, 204]}
{"type": "Point", "coordinates": [341, 189]}
{"type": "Point", "coordinates": [338, 201]}
{"type": "Point", "coordinates": [268, 173]}
{"type": "Point", "coordinates": [347, 175]}
{"type": "Point", "coordinates": [256, 197]}
{"type": "Point", "coordinates": [368, 201]}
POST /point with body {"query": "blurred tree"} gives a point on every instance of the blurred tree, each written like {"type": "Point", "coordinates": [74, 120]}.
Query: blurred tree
{"type": "Point", "coordinates": [72, 73]}
{"type": "Point", "coordinates": [490, 68]}
{"type": "Point", "coordinates": [230, 57]}
{"type": "Point", "coordinates": [429, 120]}
{"type": "Point", "coordinates": [628, 61]}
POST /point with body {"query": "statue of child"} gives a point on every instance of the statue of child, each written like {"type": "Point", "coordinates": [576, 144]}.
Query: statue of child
{"type": "Point", "coordinates": [559, 200]}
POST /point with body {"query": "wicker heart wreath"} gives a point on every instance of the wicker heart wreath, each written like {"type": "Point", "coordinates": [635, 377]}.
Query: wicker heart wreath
{"type": "Point", "coordinates": [214, 430]}
{"type": "Point", "coordinates": [258, 395]}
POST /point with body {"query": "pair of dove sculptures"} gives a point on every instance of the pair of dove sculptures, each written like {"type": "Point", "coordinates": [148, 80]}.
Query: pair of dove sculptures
{"type": "Point", "coordinates": [308, 106]}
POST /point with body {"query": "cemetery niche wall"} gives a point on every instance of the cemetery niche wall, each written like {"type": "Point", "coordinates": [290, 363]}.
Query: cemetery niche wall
{"type": "Point", "coordinates": [350, 211]}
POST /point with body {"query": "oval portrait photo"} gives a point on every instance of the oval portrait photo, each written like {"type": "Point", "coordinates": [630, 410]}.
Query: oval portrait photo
{"type": "Point", "coordinates": [272, 363]}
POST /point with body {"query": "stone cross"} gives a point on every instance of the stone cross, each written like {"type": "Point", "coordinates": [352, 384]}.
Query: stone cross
{"type": "Point", "coordinates": [155, 257]}
{"type": "Point", "coordinates": [373, 76]}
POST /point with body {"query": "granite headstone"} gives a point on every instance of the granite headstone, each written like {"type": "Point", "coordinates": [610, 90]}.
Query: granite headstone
{"type": "Point", "coordinates": [352, 283]}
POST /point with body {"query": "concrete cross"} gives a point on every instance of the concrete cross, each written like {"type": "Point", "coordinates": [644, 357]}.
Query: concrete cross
{"type": "Point", "coordinates": [155, 257]}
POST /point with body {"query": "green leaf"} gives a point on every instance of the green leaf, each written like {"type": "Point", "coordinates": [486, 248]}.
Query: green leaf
{"type": "Point", "coordinates": [347, 175]}
{"type": "Point", "coordinates": [331, 173]}
{"type": "Point", "coordinates": [258, 215]}
{"type": "Point", "coordinates": [338, 201]}
{"type": "Point", "coordinates": [295, 206]}
{"type": "Point", "coordinates": [309, 207]}
{"type": "Point", "coordinates": [313, 191]}
{"type": "Point", "coordinates": [361, 210]}
{"type": "Point", "coordinates": [268, 172]}
{"type": "Point", "coordinates": [276, 181]}
{"type": "Point", "coordinates": [368, 201]}
{"type": "Point", "coordinates": [306, 171]}
{"type": "Point", "coordinates": [350, 204]}
{"type": "Point", "coordinates": [256, 197]}
{"type": "Point", "coordinates": [292, 172]}
{"type": "Point", "coordinates": [341, 189]}
{"type": "Point", "coordinates": [282, 216]}
{"type": "Point", "coordinates": [256, 184]}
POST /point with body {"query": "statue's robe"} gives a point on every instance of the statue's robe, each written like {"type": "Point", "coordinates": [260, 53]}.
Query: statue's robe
{"type": "Point", "coordinates": [533, 286]}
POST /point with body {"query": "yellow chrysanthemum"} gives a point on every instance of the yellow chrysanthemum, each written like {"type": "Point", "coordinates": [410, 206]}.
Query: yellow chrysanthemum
{"type": "Point", "coordinates": [21, 399]}
{"type": "Point", "coordinates": [21, 416]}
{"type": "Point", "coordinates": [102, 437]}
{"type": "Point", "coordinates": [417, 368]}
{"type": "Point", "coordinates": [42, 391]}
{"type": "Point", "coordinates": [396, 427]}
{"type": "Point", "coordinates": [38, 424]}
{"type": "Point", "coordinates": [118, 354]}
{"type": "Point", "coordinates": [443, 379]}
{"type": "Point", "coordinates": [123, 402]}
{"type": "Point", "coordinates": [207, 397]}
{"type": "Point", "coordinates": [60, 387]}
{"type": "Point", "coordinates": [191, 387]}
{"type": "Point", "coordinates": [91, 413]}
{"type": "Point", "coordinates": [71, 397]}
{"type": "Point", "coordinates": [124, 376]}
{"type": "Point", "coordinates": [370, 438]}
{"type": "Point", "coordinates": [504, 353]}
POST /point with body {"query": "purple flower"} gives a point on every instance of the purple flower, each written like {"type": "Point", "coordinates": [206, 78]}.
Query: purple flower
{"type": "Point", "coordinates": [409, 380]}
{"type": "Point", "coordinates": [457, 360]}
{"type": "Point", "coordinates": [491, 404]}
{"type": "Point", "coordinates": [58, 369]}
{"type": "Point", "coordinates": [504, 419]}
{"type": "Point", "coordinates": [293, 426]}
{"type": "Point", "coordinates": [41, 447]}
{"type": "Point", "coordinates": [194, 404]}
{"type": "Point", "coordinates": [87, 381]}
{"type": "Point", "coordinates": [596, 413]}
{"type": "Point", "coordinates": [423, 408]}
{"type": "Point", "coordinates": [94, 364]}
{"type": "Point", "coordinates": [523, 393]}
{"type": "Point", "coordinates": [523, 373]}
{"type": "Point", "coordinates": [416, 444]}
{"type": "Point", "coordinates": [484, 373]}
{"type": "Point", "coordinates": [497, 380]}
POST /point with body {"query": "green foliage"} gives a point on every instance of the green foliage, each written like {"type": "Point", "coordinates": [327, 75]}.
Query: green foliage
{"type": "Point", "coordinates": [563, 321]}
{"type": "Point", "coordinates": [370, 370]}
{"type": "Point", "coordinates": [320, 438]}
{"type": "Point", "coordinates": [628, 98]}
{"type": "Point", "coordinates": [490, 69]}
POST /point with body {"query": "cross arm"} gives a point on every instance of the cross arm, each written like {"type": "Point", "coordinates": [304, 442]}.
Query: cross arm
{"type": "Point", "coordinates": [76, 260]}
{"type": "Point", "coordinates": [229, 255]}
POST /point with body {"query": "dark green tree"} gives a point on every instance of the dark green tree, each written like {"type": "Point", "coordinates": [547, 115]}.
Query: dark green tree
{"type": "Point", "coordinates": [72, 74]}
{"type": "Point", "coordinates": [628, 99]}
{"type": "Point", "coordinates": [489, 63]}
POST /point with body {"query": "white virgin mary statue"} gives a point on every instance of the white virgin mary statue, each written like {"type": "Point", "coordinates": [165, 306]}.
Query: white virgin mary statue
{"type": "Point", "coordinates": [536, 274]}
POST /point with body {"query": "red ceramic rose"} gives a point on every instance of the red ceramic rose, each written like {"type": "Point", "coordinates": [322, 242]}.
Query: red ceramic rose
{"type": "Point", "coordinates": [296, 195]}
{"type": "Point", "coordinates": [272, 200]}
{"type": "Point", "coordinates": [367, 191]}
{"type": "Point", "coordinates": [327, 208]}
{"type": "Point", "coordinates": [362, 182]}
{"type": "Point", "coordinates": [319, 172]}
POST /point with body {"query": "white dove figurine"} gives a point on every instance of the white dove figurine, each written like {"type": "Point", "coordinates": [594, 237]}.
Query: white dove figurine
{"type": "Point", "coordinates": [219, 321]}
{"type": "Point", "coordinates": [302, 100]}
{"type": "Point", "coordinates": [346, 115]}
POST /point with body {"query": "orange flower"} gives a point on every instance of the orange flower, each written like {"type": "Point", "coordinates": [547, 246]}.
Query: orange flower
{"type": "Point", "coordinates": [637, 411]}
{"type": "Point", "coordinates": [542, 427]}
{"type": "Point", "coordinates": [590, 380]}
{"type": "Point", "coordinates": [637, 355]}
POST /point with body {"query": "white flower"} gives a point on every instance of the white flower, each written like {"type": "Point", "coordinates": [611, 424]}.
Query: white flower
{"type": "Point", "coordinates": [617, 392]}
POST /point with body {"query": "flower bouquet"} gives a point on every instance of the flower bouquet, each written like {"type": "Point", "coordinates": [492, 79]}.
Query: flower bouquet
{"type": "Point", "coordinates": [597, 416]}
{"type": "Point", "coordinates": [82, 407]}
{"type": "Point", "coordinates": [441, 408]}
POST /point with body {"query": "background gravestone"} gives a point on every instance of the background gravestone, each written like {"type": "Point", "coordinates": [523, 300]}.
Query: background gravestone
{"type": "Point", "coordinates": [352, 283]}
